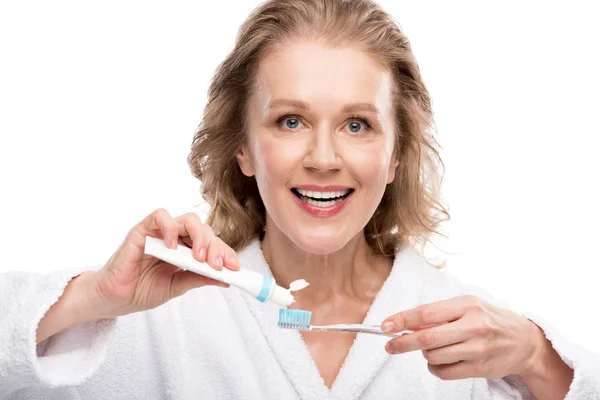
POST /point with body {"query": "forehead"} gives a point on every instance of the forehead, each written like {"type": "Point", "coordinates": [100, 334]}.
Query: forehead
{"type": "Point", "coordinates": [308, 70]}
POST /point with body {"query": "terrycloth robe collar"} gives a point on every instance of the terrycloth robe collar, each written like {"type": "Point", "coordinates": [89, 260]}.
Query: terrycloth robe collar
{"type": "Point", "coordinates": [402, 290]}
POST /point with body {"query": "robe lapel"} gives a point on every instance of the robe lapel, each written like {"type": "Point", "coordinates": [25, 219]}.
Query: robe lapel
{"type": "Point", "coordinates": [401, 291]}
{"type": "Point", "coordinates": [287, 344]}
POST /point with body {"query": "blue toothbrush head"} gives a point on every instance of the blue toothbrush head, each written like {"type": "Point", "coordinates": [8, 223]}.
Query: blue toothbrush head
{"type": "Point", "coordinates": [294, 319]}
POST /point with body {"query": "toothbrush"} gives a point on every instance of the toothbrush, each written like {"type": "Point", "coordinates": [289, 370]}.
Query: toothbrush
{"type": "Point", "coordinates": [300, 319]}
{"type": "Point", "coordinates": [262, 287]}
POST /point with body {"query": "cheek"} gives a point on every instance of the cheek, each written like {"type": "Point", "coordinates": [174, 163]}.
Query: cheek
{"type": "Point", "coordinates": [371, 165]}
{"type": "Point", "coordinates": [276, 160]}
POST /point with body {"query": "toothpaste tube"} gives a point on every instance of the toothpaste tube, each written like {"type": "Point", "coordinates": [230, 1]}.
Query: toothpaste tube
{"type": "Point", "coordinates": [262, 287]}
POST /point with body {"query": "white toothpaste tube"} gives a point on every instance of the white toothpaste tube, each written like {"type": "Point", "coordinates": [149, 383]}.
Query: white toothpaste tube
{"type": "Point", "coordinates": [262, 287]}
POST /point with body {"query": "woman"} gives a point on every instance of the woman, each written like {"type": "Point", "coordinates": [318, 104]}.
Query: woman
{"type": "Point", "coordinates": [316, 157]}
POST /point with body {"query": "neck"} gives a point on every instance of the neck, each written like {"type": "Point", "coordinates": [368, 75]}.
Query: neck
{"type": "Point", "coordinates": [353, 271]}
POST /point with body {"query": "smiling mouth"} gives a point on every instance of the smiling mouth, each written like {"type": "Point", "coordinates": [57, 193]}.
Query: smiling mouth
{"type": "Point", "coordinates": [322, 199]}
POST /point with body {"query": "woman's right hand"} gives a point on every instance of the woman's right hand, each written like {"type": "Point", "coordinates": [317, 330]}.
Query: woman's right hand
{"type": "Point", "coordinates": [132, 281]}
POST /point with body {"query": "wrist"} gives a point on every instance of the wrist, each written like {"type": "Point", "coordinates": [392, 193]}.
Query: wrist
{"type": "Point", "coordinates": [79, 298]}
{"type": "Point", "coordinates": [71, 309]}
{"type": "Point", "coordinates": [546, 375]}
{"type": "Point", "coordinates": [536, 368]}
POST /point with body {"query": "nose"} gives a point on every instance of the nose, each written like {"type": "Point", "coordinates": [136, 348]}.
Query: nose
{"type": "Point", "coordinates": [322, 154]}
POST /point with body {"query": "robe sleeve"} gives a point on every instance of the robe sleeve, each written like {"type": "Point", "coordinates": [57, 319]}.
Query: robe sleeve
{"type": "Point", "coordinates": [67, 358]}
{"type": "Point", "coordinates": [585, 364]}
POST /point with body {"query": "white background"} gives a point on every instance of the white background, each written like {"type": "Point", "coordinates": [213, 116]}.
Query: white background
{"type": "Point", "coordinates": [99, 103]}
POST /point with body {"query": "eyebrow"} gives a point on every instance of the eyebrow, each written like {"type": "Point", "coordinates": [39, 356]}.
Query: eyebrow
{"type": "Point", "coordinates": [304, 106]}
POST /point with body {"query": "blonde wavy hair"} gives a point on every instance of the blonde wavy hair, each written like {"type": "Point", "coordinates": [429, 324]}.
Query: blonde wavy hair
{"type": "Point", "coordinates": [410, 210]}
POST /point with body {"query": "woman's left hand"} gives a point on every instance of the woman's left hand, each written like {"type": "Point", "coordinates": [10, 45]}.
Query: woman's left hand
{"type": "Point", "coordinates": [466, 337]}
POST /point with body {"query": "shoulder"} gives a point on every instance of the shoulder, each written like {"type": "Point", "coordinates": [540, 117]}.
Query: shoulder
{"type": "Point", "coordinates": [438, 284]}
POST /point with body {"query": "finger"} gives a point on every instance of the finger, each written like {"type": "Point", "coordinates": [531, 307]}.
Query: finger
{"type": "Point", "coordinates": [158, 223]}
{"type": "Point", "coordinates": [448, 354]}
{"type": "Point", "coordinates": [231, 260]}
{"type": "Point", "coordinates": [420, 328]}
{"type": "Point", "coordinates": [430, 338]}
{"type": "Point", "coordinates": [216, 253]}
{"type": "Point", "coordinates": [434, 313]}
{"type": "Point", "coordinates": [183, 281]}
{"type": "Point", "coordinates": [200, 233]}
{"type": "Point", "coordinates": [459, 370]}
{"type": "Point", "coordinates": [186, 241]}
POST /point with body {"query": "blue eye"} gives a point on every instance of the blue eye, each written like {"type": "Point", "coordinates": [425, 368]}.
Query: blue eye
{"type": "Point", "coordinates": [292, 123]}
{"type": "Point", "coordinates": [354, 126]}
{"type": "Point", "coordinates": [289, 121]}
{"type": "Point", "coordinates": [358, 124]}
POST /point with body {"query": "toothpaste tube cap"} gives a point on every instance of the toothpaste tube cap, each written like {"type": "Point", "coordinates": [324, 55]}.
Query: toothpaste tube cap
{"type": "Point", "coordinates": [281, 296]}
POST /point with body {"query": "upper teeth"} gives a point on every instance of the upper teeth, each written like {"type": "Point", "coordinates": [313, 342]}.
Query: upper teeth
{"type": "Point", "coordinates": [323, 195]}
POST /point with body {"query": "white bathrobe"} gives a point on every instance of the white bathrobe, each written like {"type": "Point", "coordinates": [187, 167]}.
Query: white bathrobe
{"type": "Point", "coordinates": [216, 343]}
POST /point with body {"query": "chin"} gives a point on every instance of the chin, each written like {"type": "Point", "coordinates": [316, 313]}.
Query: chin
{"type": "Point", "coordinates": [321, 243]}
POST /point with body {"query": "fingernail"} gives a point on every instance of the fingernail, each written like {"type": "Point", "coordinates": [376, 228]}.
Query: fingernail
{"type": "Point", "coordinates": [387, 326]}
{"type": "Point", "coordinates": [388, 347]}
{"type": "Point", "coordinates": [202, 254]}
{"type": "Point", "coordinates": [219, 262]}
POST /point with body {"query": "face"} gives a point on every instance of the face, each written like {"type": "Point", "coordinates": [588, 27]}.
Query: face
{"type": "Point", "coordinates": [320, 142]}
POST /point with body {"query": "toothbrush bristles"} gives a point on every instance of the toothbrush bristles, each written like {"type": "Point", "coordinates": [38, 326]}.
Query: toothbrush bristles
{"type": "Point", "coordinates": [294, 319]}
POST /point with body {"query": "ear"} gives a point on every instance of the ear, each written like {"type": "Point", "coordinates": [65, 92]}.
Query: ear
{"type": "Point", "coordinates": [245, 161]}
{"type": "Point", "coordinates": [392, 171]}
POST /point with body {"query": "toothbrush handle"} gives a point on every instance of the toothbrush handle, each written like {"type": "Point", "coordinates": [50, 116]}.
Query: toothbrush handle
{"type": "Point", "coordinates": [357, 328]}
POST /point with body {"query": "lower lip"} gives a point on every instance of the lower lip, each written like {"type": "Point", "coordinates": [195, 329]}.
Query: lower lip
{"type": "Point", "coordinates": [322, 212]}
